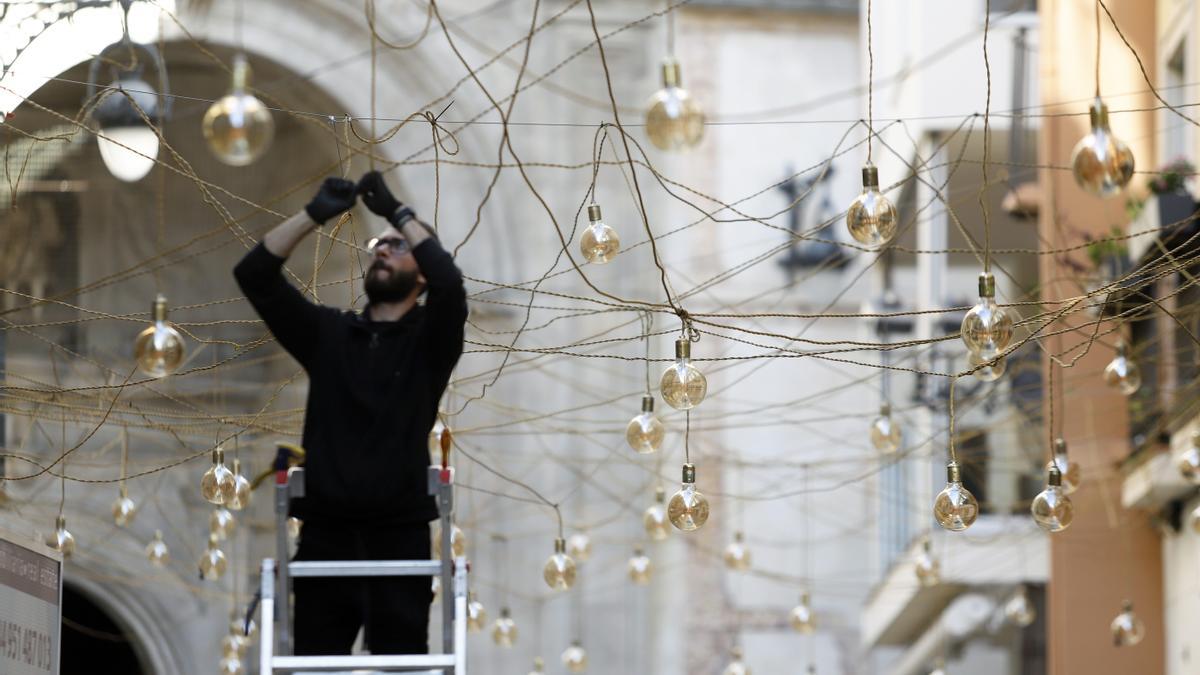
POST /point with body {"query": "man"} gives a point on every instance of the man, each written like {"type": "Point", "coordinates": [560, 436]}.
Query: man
{"type": "Point", "coordinates": [375, 379]}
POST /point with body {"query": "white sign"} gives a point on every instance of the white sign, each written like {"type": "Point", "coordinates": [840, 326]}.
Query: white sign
{"type": "Point", "coordinates": [30, 608]}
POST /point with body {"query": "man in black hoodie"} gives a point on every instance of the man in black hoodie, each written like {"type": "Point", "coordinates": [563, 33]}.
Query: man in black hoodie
{"type": "Point", "coordinates": [375, 379]}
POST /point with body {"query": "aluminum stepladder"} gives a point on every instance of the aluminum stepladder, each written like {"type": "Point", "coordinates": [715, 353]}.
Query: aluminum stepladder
{"type": "Point", "coordinates": [275, 649]}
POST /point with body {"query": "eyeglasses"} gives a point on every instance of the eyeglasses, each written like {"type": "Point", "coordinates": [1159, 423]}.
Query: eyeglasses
{"type": "Point", "coordinates": [394, 244]}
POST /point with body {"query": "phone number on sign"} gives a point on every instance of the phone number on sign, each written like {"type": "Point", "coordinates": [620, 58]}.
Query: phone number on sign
{"type": "Point", "coordinates": [25, 645]}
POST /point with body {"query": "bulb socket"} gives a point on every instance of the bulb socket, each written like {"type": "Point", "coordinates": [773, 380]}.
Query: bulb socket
{"type": "Point", "coordinates": [241, 73]}
{"type": "Point", "coordinates": [804, 598]}
{"type": "Point", "coordinates": [1122, 349]}
{"type": "Point", "coordinates": [1196, 438]}
{"type": "Point", "coordinates": [637, 553]}
{"type": "Point", "coordinates": [560, 545]}
{"type": "Point", "coordinates": [885, 409]}
{"type": "Point", "coordinates": [683, 349]}
{"type": "Point", "coordinates": [60, 523]}
{"type": "Point", "coordinates": [504, 613]}
{"type": "Point", "coordinates": [660, 495]}
{"type": "Point", "coordinates": [736, 653]}
{"type": "Point", "coordinates": [1060, 446]}
{"type": "Point", "coordinates": [1127, 606]}
{"type": "Point", "coordinates": [987, 285]}
{"type": "Point", "coordinates": [158, 535]}
{"type": "Point", "coordinates": [739, 537]}
{"type": "Point", "coordinates": [953, 473]}
{"type": "Point", "coordinates": [689, 473]}
{"type": "Point", "coordinates": [671, 74]}
{"type": "Point", "coordinates": [870, 176]}
{"type": "Point", "coordinates": [647, 403]}
{"type": "Point", "coordinates": [594, 213]}
{"type": "Point", "coordinates": [1099, 114]}
{"type": "Point", "coordinates": [1053, 475]}
{"type": "Point", "coordinates": [212, 541]}
{"type": "Point", "coordinates": [124, 492]}
{"type": "Point", "coordinates": [218, 456]}
{"type": "Point", "coordinates": [159, 308]}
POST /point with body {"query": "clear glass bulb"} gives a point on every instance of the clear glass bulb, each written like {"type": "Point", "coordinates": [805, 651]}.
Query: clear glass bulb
{"type": "Point", "coordinates": [218, 484]}
{"type": "Point", "coordinates": [128, 146]}
{"type": "Point", "coordinates": [885, 432]}
{"type": "Point", "coordinates": [654, 518]}
{"type": "Point", "coordinates": [1102, 164]}
{"type": "Point", "coordinates": [579, 547]}
{"type": "Point", "coordinates": [212, 562]}
{"type": "Point", "coordinates": [157, 552]}
{"type": "Point", "coordinates": [559, 571]}
{"type": "Point", "coordinates": [987, 328]}
{"type": "Point", "coordinates": [575, 658]}
{"type": "Point", "coordinates": [871, 218]}
{"type": "Point", "coordinates": [1052, 509]}
{"type": "Point", "coordinates": [599, 243]}
{"type": "Point", "coordinates": [458, 541]}
{"type": "Point", "coordinates": [238, 127]}
{"type": "Point", "coordinates": [927, 567]}
{"type": "Point", "coordinates": [1189, 461]}
{"type": "Point", "coordinates": [222, 523]}
{"type": "Point", "coordinates": [476, 616]}
{"type": "Point", "coordinates": [159, 349]}
{"type": "Point", "coordinates": [688, 509]}
{"type": "Point", "coordinates": [124, 509]}
{"type": "Point", "coordinates": [737, 556]}
{"type": "Point", "coordinates": [231, 665]}
{"type": "Point", "coordinates": [955, 507]}
{"type": "Point", "coordinates": [674, 120]}
{"type": "Point", "coordinates": [988, 367]}
{"type": "Point", "coordinates": [241, 489]}
{"type": "Point", "coordinates": [1072, 473]}
{"type": "Point", "coordinates": [736, 667]}
{"type": "Point", "coordinates": [538, 666]}
{"type": "Point", "coordinates": [504, 631]}
{"type": "Point", "coordinates": [645, 432]}
{"type": "Point", "coordinates": [683, 387]}
{"type": "Point", "coordinates": [801, 616]}
{"type": "Point", "coordinates": [61, 539]}
{"type": "Point", "coordinates": [233, 646]}
{"type": "Point", "coordinates": [1123, 372]}
{"type": "Point", "coordinates": [1127, 628]}
{"type": "Point", "coordinates": [640, 568]}
{"type": "Point", "coordinates": [1019, 611]}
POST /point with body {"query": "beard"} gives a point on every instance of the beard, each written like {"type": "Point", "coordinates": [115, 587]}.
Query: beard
{"type": "Point", "coordinates": [394, 286]}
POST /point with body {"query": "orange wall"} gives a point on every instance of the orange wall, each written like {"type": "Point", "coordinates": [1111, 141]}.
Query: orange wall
{"type": "Point", "coordinates": [1108, 554]}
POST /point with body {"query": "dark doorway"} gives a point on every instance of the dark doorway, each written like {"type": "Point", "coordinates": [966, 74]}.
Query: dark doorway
{"type": "Point", "coordinates": [92, 642]}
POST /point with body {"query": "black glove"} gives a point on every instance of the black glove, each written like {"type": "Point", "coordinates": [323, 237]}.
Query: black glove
{"type": "Point", "coordinates": [335, 197]}
{"type": "Point", "coordinates": [376, 195]}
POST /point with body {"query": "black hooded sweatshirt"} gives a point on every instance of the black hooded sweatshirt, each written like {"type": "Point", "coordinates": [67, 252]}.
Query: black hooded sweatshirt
{"type": "Point", "coordinates": [374, 388]}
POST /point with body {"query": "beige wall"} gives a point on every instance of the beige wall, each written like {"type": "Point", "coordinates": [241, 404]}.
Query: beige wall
{"type": "Point", "coordinates": [1108, 554]}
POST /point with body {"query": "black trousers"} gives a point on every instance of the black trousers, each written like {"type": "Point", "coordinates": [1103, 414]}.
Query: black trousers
{"type": "Point", "coordinates": [393, 610]}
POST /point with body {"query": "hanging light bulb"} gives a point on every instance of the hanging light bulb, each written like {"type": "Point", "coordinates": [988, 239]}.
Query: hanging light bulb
{"type": "Point", "coordinates": [233, 645]}
{"type": "Point", "coordinates": [157, 552]}
{"type": "Point", "coordinates": [238, 127]}
{"type": "Point", "coordinates": [476, 614]}
{"type": "Point", "coordinates": [802, 618]}
{"type": "Point", "coordinates": [688, 509]}
{"type": "Point", "coordinates": [928, 569]}
{"type": "Point", "coordinates": [128, 146]}
{"type": "Point", "coordinates": [222, 523]}
{"type": "Point", "coordinates": [1052, 509]}
{"type": "Point", "coordinates": [1019, 611]}
{"type": "Point", "coordinates": [1102, 164]}
{"type": "Point", "coordinates": [1127, 628]}
{"type": "Point", "coordinates": [231, 665]}
{"type": "Point", "coordinates": [987, 367]}
{"type": "Point", "coordinates": [955, 507]}
{"type": "Point", "coordinates": [538, 665]}
{"type": "Point", "coordinates": [458, 541]}
{"type": "Point", "coordinates": [735, 667]}
{"type": "Point", "coordinates": [737, 556]}
{"type": "Point", "coordinates": [212, 562]}
{"type": "Point", "coordinates": [674, 120]}
{"type": "Point", "coordinates": [885, 432]}
{"type": "Point", "coordinates": [559, 571]}
{"type": "Point", "coordinates": [640, 568]}
{"type": "Point", "coordinates": [218, 484]}
{"type": "Point", "coordinates": [61, 539]}
{"type": "Point", "coordinates": [987, 328]}
{"type": "Point", "coordinates": [1189, 461]}
{"type": "Point", "coordinates": [575, 658]}
{"type": "Point", "coordinates": [1123, 372]}
{"type": "Point", "coordinates": [683, 386]}
{"type": "Point", "coordinates": [294, 525]}
{"type": "Point", "coordinates": [159, 348]}
{"type": "Point", "coordinates": [504, 631]}
{"type": "Point", "coordinates": [241, 489]}
{"type": "Point", "coordinates": [1070, 469]}
{"type": "Point", "coordinates": [645, 432]}
{"type": "Point", "coordinates": [124, 509]}
{"type": "Point", "coordinates": [599, 243]}
{"type": "Point", "coordinates": [654, 518]}
{"type": "Point", "coordinates": [579, 546]}
{"type": "Point", "coordinates": [871, 218]}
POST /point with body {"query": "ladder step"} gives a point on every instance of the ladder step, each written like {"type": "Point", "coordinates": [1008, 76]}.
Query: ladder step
{"type": "Point", "coordinates": [364, 568]}
{"type": "Point", "coordinates": [391, 663]}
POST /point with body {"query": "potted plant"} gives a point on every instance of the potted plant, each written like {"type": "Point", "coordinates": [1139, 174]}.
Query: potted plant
{"type": "Point", "coordinates": [1170, 187]}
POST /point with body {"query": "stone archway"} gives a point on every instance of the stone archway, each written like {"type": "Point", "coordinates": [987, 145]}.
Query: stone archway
{"type": "Point", "coordinates": [115, 629]}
